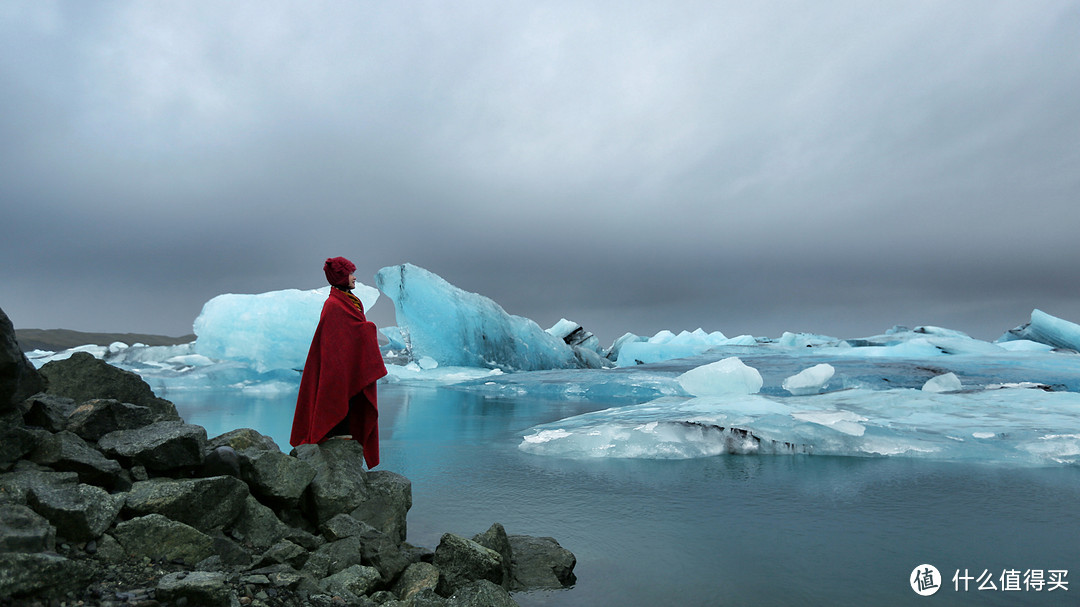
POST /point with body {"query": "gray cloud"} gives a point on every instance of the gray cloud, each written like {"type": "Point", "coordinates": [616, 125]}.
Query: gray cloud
{"type": "Point", "coordinates": [756, 168]}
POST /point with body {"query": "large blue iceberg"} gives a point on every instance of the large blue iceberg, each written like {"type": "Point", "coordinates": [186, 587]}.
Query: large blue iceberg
{"type": "Point", "coordinates": [268, 330]}
{"type": "Point", "coordinates": [458, 328]}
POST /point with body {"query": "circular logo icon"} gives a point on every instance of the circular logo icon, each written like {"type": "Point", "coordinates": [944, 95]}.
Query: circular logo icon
{"type": "Point", "coordinates": [925, 580]}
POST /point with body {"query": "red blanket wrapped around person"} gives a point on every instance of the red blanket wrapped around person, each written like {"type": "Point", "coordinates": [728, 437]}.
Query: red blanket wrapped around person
{"type": "Point", "coordinates": [339, 377]}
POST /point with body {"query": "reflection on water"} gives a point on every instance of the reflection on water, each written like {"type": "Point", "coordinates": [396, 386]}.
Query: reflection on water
{"type": "Point", "coordinates": [728, 530]}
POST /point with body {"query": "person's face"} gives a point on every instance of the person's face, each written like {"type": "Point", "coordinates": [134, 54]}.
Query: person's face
{"type": "Point", "coordinates": [352, 281]}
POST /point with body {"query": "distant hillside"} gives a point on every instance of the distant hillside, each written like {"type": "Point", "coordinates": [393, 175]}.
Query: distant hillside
{"type": "Point", "coordinates": [62, 339]}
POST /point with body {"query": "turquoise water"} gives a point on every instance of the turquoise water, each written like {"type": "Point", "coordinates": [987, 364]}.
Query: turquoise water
{"type": "Point", "coordinates": [726, 530]}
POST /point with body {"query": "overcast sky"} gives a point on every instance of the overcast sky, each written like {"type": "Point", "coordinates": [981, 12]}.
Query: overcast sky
{"type": "Point", "coordinates": [747, 167]}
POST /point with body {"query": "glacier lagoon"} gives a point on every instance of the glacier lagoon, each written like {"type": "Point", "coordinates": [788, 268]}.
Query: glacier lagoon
{"type": "Point", "coordinates": [721, 530]}
{"type": "Point", "coordinates": [743, 470]}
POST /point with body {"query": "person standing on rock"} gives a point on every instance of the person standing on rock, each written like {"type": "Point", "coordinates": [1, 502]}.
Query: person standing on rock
{"type": "Point", "coordinates": [337, 389]}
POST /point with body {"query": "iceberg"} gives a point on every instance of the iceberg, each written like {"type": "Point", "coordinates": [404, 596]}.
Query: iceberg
{"type": "Point", "coordinates": [810, 381]}
{"type": "Point", "coordinates": [727, 376]}
{"type": "Point", "coordinates": [458, 328]}
{"type": "Point", "coordinates": [267, 330]}
{"type": "Point", "coordinates": [586, 346]}
{"type": "Point", "coordinates": [1023, 427]}
{"type": "Point", "coordinates": [948, 382]}
{"type": "Point", "coordinates": [665, 345]}
{"type": "Point", "coordinates": [1046, 329]}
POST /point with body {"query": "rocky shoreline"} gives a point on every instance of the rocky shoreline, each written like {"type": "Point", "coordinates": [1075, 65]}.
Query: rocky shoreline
{"type": "Point", "coordinates": [108, 498]}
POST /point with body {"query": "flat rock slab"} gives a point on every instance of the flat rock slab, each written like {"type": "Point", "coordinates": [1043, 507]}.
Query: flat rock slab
{"type": "Point", "coordinates": [95, 418]}
{"type": "Point", "coordinates": [203, 503]}
{"type": "Point", "coordinates": [23, 530]}
{"type": "Point", "coordinates": [203, 588]}
{"type": "Point", "coordinates": [79, 512]}
{"type": "Point", "coordinates": [68, 452]}
{"type": "Point", "coordinates": [161, 446]}
{"type": "Point", "coordinates": [38, 573]}
{"type": "Point", "coordinates": [157, 537]}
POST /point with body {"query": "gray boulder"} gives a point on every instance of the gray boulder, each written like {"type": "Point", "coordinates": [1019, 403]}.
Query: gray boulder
{"type": "Point", "coordinates": [495, 538]}
{"type": "Point", "coordinates": [68, 452]}
{"type": "Point", "coordinates": [95, 418]}
{"type": "Point", "coordinates": [385, 503]}
{"type": "Point", "coordinates": [221, 461]}
{"type": "Point", "coordinates": [277, 479]}
{"type": "Point", "coordinates": [83, 377]}
{"type": "Point", "coordinates": [18, 378]}
{"type": "Point", "coordinates": [48, 412]}
{"type": "Point", "coordinates": [343, 526]}
{"type": "Point", "coordinates": [203, 503]}
{"type": "Point", "coordinates": [157, 537]}
{"type": "Point", "coordinates": [23, 530]}
{"type": "Point", "coordinates": [161, 446]}
{"type": "Point", "coordinates": [351, 583]}
{"type": "Point", "coordinates": [79, 512]}
{"type": "Point", "coordinates": [481, 593]}
{"type": "Point", "coordinates": [243, 439]}
{"type": "Point", "coordinates": [340, 481]}
{"type": "Point", "coordinates": [203, 588]}
{"type": "Point", "coordinates": [258, 526]}
{"type": "Point", "coordinates": [15, 440]}
{"type": "Point", "coordinates": [284, 553]}
{"type": "Point", "coordinates": [462, 561]}
{"type": "Point", "coordinates": [337, 556]}
{"type": "Point", "coordinates": [540, 562]}
{"type": "Point", "coordinates": [15, 485]}
{"type": "Point", "coordinates": [375, 547]}
{"type": "Point", "coordinates": [37, 574]}
{"type": "Point", "coordinates": [417, 578]}
{"type": "Point", "coordinates": [425, 598]}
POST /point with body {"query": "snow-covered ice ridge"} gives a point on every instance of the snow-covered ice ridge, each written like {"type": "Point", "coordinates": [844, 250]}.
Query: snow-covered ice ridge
{"type": "Point", "coordinates": [925, 392]}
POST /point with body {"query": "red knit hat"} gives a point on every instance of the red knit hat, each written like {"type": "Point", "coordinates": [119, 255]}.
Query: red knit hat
{"type": "Point", "coordinates": [337, 270]}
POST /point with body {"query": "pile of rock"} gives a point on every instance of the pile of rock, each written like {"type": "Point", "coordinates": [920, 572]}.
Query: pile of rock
{"type": "Point", "coordinates": [107, 497]}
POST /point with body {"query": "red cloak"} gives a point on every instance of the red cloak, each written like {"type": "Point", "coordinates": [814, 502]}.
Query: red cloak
{"type": "Point", "coordinates": [343, 362]}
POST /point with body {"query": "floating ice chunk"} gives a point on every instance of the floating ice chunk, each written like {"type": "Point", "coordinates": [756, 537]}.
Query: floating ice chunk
{"type": "Point", "coordinates": [412, 373]}
{"type": "Point", "coordinates": [38, 358]}
{"type": "Point", "coordinates": [807, 340]}
{"type": "Point", "coordinates": [267, 330]}
{"type": "Point", "coordinates": [858, 422]}
{"type": "Point", "coordinates": [913, 348]}
{"type": "Point", "coordinates": [459, 328]}
{"type": "Point", "coordinates": [1024, 345]}
{"type": "Point", "coordinates": [427, 363]}
{"type": "Point", "coordinates": [810, 381]}
{"type": "Point", "coordinates": [948, 382]}
{"type": "Point", "coordinates": [1047, 329]}
{"type": "Point", "coordinates": [727, 376]}
{"type": "Point", "coordinates": [666, 345]}
{"type": "Point", "coordinates": [189, 360]}
{"type": "Point", "coordinates": [585, 345]}
{"type": "Point", "coordinates": [544, 436]}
